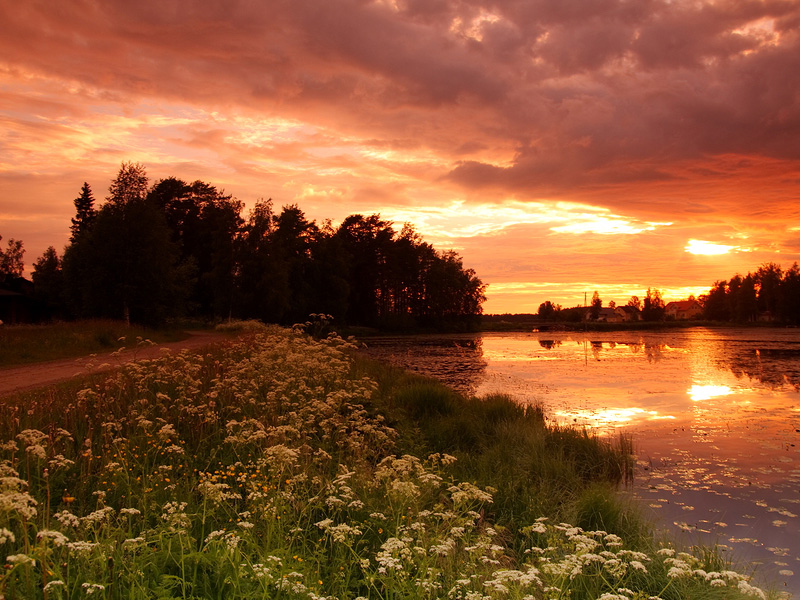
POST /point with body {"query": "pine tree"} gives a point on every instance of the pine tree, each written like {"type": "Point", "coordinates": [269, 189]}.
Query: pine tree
{"type": "Point", "coordinates": [85, 213]}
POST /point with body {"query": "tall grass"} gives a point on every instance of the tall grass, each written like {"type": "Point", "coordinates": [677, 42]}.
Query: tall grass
{"type": "Point", "coordinates": [537, 468]}
{"type": "Point", "coordinates": [274, 467]}
{"type": "Point", "coordinates": [22, 344]}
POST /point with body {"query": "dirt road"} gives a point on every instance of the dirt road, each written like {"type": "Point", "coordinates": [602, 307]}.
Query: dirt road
{"type": "Point", "coordinates": [17, 379]}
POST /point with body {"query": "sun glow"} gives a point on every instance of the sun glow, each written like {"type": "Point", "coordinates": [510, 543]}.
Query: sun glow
{"type": "Point", "coordinates": [699, 393]}
{"type": "Point", "coordinates": [607, 225]}
{"type": "Point", "coordinates": [708, 248]}
{"type": "Point", "coordinates": [610, 416]}
{"type": "Point", "coordinates": [454, 220]}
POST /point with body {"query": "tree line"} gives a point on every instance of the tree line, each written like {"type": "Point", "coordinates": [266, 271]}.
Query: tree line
{"type": "Point", "coordinates": [771, 294]}
{"type": "Point", "coordinates": [178, 249]}
{"type": "Point", "coordinates": [650, 308]}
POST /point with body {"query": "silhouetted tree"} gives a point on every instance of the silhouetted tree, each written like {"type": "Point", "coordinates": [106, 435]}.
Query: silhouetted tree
{"type": "Point", "coordinates": [328, 276]}
{"type": "Point", "coordinates": [294, 238]}
{"type": "Point", "coordinates": [144, 253]}
{"type": "Point", "coordinates": [204, 223]}
{"type": "Point", "coordinates": [596, 305]}
{"type": "Point", "coordinates": [262, 278]}
{"type": "Point", "coordinates": [11, 263]}
{"type": "Point", "coordinates": [653, 306]}
{"type": "Point", "coordinates": [548, 310]}
{"type": "Point", "coordinates": [789, 298]}
{"type": "Point", "coordinates": [125, 266]}
{"type": "Point", "coordinates": [48, 281]}
{"type": "Point", "coordinates": [747, 300]}
{"type": "Point", "coordinates": [716, 306]}
{"type": "Point", "coordinates": [85, 212]}
{"type": "Point", "coordinates": [768, 283]}
{"type": "Point", "coordinates": [129, 186]}
{"type": "Point", "coordinates": [455, 294]}
{"type": "Point", "coordinates": [401, 282]}
{"type": "Point", "coordinates": [366, 241]}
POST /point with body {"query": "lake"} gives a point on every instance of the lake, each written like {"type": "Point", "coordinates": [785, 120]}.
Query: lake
{"type": "Point", "coordinates": [714, 415]}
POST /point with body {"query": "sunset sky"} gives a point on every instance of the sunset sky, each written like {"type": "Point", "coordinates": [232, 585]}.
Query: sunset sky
{"type": "Point", "coordinates": [560, 146]}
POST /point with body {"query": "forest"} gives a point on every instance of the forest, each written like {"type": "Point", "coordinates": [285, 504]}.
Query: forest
{"type": "Point", "coordinates": [770, 294]}
{"type": "Point", "coordinates": [151, 253]}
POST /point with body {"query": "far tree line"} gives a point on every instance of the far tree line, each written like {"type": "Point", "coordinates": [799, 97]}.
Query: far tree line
{"type": "Point", "coordinates": [178, 249]}
{"type": "Point", "coordinates": [650, 308]}
{"type": "Point", "coordinates": [771, 294]}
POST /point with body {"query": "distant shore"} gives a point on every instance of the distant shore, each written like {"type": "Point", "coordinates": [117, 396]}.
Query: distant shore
{"type": "Point", "coordinates": [513, 323]}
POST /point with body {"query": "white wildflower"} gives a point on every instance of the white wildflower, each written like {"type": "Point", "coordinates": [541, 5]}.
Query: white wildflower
{"type": "Point", "coordinates": [67, 519]}
{"type": "Point", "coordinates": [58, 538]}
{"type": "Point", "coordinates": [53, 584]}
{"type": "Point", "coordinates": [81, 547]}
{"type": "Point", "coordinates": [98, 516]}
{"type": "Point", "coordinates": [6, 536]}
{"type": "Point", "coordinates": [215, 535]}
{"type": "Point", "coordinates": [538, 528]}
{"type": "Point", "coordinates": [167, 432]}
{"type": "Point", "coordinates": [92, 588]}
{"type": "Point", "coordinates": [465, 493]}
{"type": "Point", "coordinates": [20, 559]}
{"type": "Point", "coordinates": [13, 499]}
{"type": "Point", "coordinates": [751, 590]}
{"type": "Point", "coordinates": [638, 566]}
{"type": "Point", "coordinates": [9, 446]}
{"type": "Point", "coordinates": [59, 461]}
{"type": "Point", "coordinates": [133, 542]}
{"type": "Point", "coordinates": [676, 572]}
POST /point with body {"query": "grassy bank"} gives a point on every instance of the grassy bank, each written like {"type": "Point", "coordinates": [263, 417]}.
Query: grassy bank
{"type": "Point", "coordinates": [283, 467]}
{"type": "Point", "coordinates": [24, 344]}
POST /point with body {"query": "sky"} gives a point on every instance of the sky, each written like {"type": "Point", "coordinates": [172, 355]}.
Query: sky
{"type": "Point", "coordinates": [561, 147]}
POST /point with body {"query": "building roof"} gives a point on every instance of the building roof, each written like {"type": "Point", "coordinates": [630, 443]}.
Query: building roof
{"type": "Point", "coordinates": [683, 305]}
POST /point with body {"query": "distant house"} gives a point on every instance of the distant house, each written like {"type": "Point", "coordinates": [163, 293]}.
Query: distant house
{"type": "Point", "coordinates": [16, 301]}
{"type": "Point", "coordinates": [608, 315]}
{"type": "Point", "coordinates": [683, 310]}
{"type": "Point", "coordinates": [631, 313]}
{"type": "Point", "coordinates": [15, 308]}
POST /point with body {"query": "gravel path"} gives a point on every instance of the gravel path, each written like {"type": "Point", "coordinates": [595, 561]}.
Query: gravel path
{"type": "Point", "coordinates": [17, 379]}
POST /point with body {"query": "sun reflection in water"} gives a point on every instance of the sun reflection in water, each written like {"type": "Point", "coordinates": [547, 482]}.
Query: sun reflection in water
{"type": "Point", "coordinates": [609, 416]}
{"type": "Point", "coordinates": [707, 392]}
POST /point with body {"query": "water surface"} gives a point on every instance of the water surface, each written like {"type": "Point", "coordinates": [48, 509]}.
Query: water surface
{"type": "Point", "coordinates": [714, 415]}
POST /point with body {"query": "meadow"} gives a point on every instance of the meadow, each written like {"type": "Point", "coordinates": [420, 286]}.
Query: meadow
{"type": "Point", "coordinates": [279, 465]}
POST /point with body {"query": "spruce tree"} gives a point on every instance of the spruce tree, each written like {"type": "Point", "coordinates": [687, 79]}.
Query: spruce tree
{"type": "Point", "coordinates": [85, 213]}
